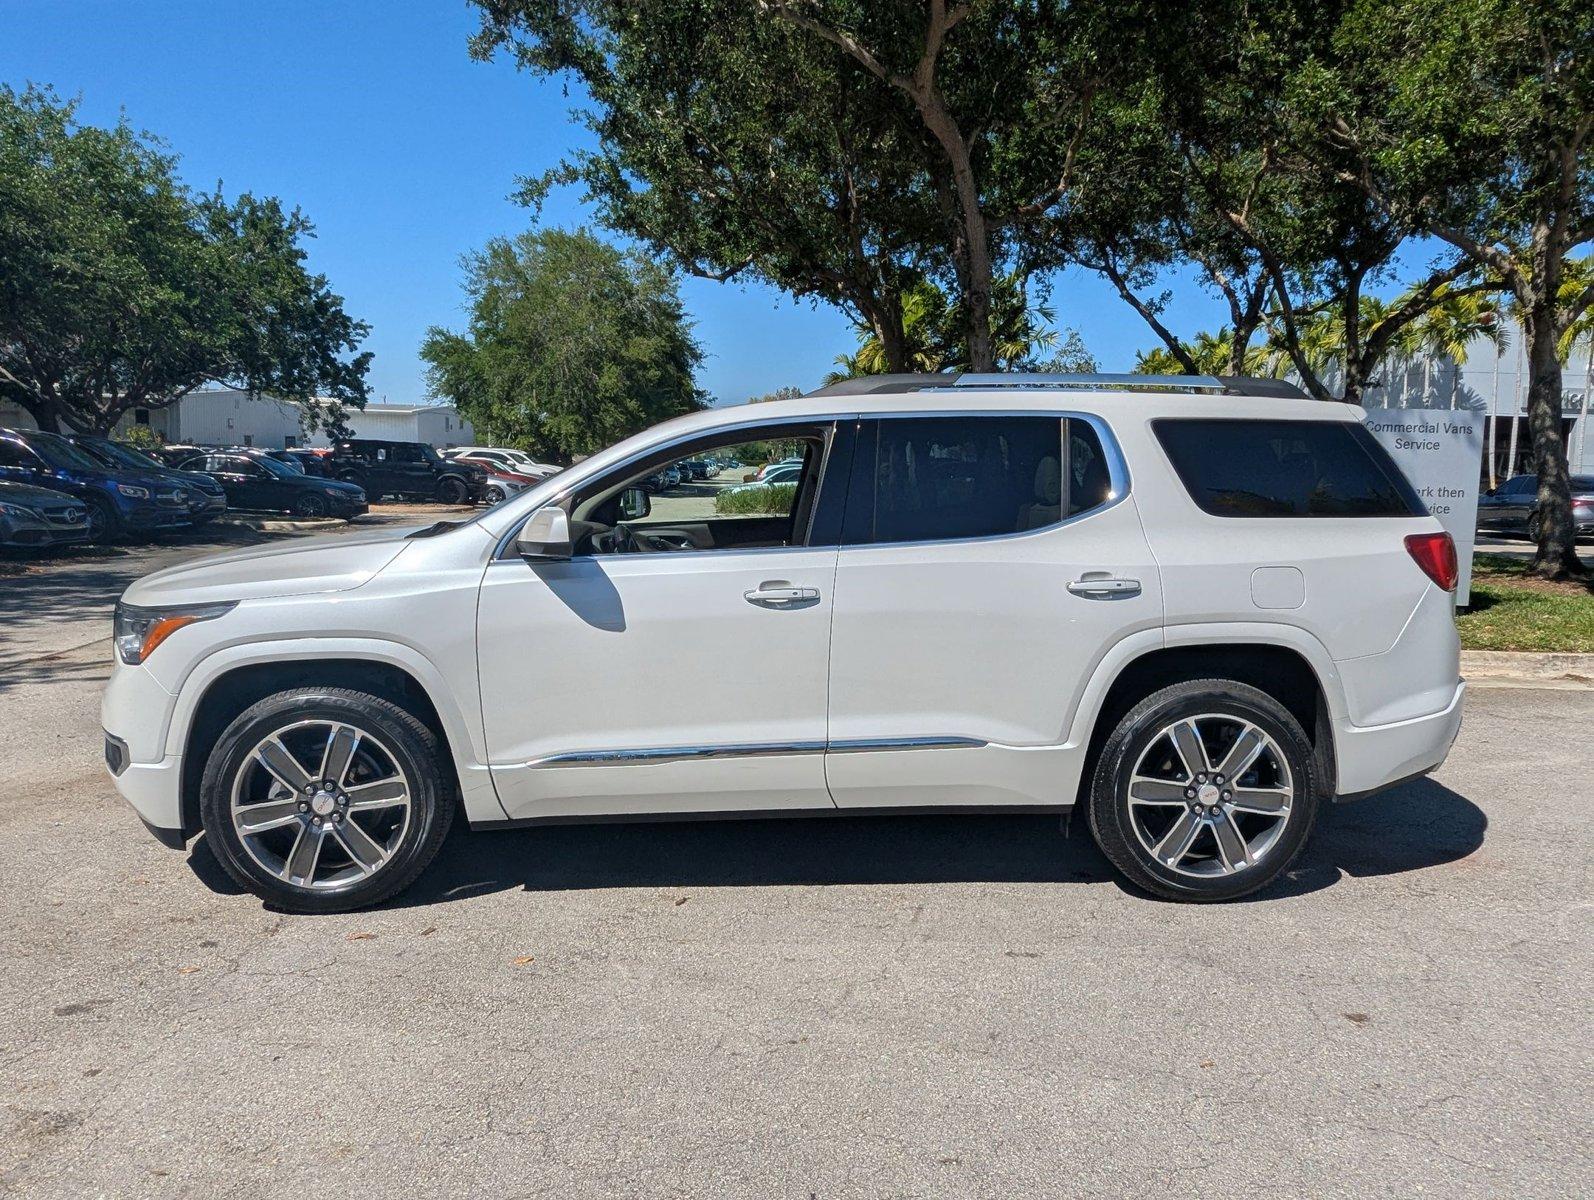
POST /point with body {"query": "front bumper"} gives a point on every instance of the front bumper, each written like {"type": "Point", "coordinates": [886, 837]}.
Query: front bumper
{"type": "Point", "coordinates": [158, 518]}
{"type": "Point", "coordinates": [1373, 757]}
{"type": "Point", "coordinates": [134, 712]}
{"type": "Point", "coordinates": [25, 531]}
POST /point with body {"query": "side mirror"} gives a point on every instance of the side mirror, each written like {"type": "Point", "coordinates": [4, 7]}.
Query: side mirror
{"type": "Point", "coordinates": [634, 504]}
{"type": "Point", "coordinates": [546, 535]}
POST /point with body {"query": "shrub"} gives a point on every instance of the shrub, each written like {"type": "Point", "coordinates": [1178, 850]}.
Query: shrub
{"type": "Point", "coordinates": [773, 499]}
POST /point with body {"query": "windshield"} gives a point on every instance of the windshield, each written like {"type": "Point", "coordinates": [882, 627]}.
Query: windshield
{"type": "Point", "coordinates": [62, 454]}
{"type": "Point", "coordinates": [280, 470]}
{"type": "Point", "coordinates": [123, 456]}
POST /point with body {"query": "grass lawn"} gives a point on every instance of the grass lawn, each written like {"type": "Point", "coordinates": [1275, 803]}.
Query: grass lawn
{"type": "Point", "coordinates": [1512, 612]}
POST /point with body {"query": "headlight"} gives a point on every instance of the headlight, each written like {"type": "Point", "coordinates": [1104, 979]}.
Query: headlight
{"type": "Point", "coordinates": [137, 631]}
{"type": "Point", "coordinates": [336, 493]}
{"type": "Point", "coordinates": [134, 493]}
{"type": "Point", "coordinates": [16, 510]}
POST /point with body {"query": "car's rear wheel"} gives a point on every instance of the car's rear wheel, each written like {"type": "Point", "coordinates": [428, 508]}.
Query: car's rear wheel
{"type": "Point", "coordinates": [451, 489]}
{"type": "Point", "coordinates": [323, 799]}
{"type": "Point", "coordinates": [1205, 790]}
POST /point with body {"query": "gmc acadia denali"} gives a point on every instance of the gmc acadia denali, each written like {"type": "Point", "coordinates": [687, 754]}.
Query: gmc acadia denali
{"type": "Point", "coordinates": [1191, 610]}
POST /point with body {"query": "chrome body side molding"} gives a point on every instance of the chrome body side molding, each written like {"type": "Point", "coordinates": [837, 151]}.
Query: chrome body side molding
{"type": "Point", "coordinates": [666, 754]}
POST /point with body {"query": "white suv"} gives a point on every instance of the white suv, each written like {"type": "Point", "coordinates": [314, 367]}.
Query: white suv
{"type": "Point", "coordinates": [1195, 609]}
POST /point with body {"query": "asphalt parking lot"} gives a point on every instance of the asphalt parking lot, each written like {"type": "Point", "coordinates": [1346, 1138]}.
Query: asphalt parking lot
{"type": "Point", "coordinates": [917, 1006]}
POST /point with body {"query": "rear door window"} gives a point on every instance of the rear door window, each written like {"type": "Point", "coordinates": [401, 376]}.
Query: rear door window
{"type": "Point", "coordinates": [918, 479]}
{"type": "Point", "coordinates": [1243, 468]}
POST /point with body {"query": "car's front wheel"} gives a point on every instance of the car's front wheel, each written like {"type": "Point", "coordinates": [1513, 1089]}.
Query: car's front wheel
{"type": "Point", "coordinates": [451, 489]}
{"type": "Point", "coordinates": [324, 799]}
{"type": "Point", "coordinates": [105, 523]}
{"type": "Point", "coordinates": [310, 505]}
{"type": "Point", "coordinates": [1205, 790]}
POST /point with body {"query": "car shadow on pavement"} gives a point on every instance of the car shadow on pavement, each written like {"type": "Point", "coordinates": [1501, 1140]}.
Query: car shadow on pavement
{"type": "Point", "coordinates": [1413, 827]}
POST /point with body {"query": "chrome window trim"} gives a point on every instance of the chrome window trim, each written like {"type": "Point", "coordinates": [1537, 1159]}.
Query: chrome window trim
{"type": "Point", "coordinates": [504, 550]}
{"type": "Point", "coordinates": [1117, 473]}
{"type": "Point", "coordinates": [668, 754]}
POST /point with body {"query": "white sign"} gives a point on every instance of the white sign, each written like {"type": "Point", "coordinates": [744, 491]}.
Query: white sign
{"type": "Point", "coordinates": [1441, 452]}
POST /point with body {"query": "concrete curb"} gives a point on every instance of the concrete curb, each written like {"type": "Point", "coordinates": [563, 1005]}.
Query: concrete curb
{"type": "Point", "coordinates": [279, 524]}
{"type": "Point", "coordinates": [1517, 668]}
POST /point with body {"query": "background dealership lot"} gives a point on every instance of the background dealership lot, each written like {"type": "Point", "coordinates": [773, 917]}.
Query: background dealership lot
{"type": "Point", "coordinates": [913, 1006]}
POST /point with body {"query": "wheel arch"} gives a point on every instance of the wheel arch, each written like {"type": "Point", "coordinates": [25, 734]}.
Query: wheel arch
{"type": "Point", "coordinates": [217, 691]}
{"type": "Point", "coordinates": [1293, 668]}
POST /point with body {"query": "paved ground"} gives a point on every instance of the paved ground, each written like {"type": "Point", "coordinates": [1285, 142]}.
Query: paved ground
{"type": "Point", "coordinates": [905, 1007]}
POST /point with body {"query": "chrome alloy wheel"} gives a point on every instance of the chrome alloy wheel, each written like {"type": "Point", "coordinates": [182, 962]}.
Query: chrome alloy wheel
{"type": "Point", "coordinates": [320, 804]}
{"type": "Point", "coordinates": [1210, 795]}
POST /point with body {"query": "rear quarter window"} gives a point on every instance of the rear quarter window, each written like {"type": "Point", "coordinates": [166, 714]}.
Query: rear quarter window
{"type": "Point", "coordinates": [1239, 468]}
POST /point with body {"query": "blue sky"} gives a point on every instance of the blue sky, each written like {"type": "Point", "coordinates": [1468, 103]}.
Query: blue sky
{"type": "Point", "coordinates": [371, 117]}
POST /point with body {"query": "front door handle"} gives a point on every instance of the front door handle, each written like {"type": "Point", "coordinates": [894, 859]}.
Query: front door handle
{"type": "Point", "coordinates": [1102, 586]}
{"type": "Point", "coordinates": [779, 593]}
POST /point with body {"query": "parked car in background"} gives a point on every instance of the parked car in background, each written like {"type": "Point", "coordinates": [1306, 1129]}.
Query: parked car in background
{"type": "Point", "coordinates": [517, 462]}
{"type": "Point", "coordinates": [121, 502]}
{"type": "Point", "coordinates": [35, 517]}
{"type": "Point", "coordinates": [207, 499]}
{"type": "Point", "coordinates": [788, 473]}
{"type": "Point", "coordinates": [501, 485]}
{"type": "Point", "coordinates": [410, 470]}
{"type": "Point", "coordinates": [260, 482]}
{"type": "Point", "coordinates": [1189, 615]}
{"type": "Point", "coordinates": [311, 462]}
{"type": "Point", "coordinates": [1513, 507]}
{"type": "Point", "coordinates": [174, 454]}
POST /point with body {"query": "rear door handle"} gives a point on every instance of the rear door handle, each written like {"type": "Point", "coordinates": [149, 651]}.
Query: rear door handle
{"type": "Point", "coordinates": [1101, 585]}
{"type": "Point", "coordinates": [778, 593]}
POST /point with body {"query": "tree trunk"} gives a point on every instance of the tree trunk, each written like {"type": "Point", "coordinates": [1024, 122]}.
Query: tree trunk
{"type": "Point", "coordinates": [976, 264]}
{"type": "Point", "coordinates": [1557, 553]}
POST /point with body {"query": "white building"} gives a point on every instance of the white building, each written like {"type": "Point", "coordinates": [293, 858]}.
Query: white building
{"type": "Point", "coordinates": [439, 425]}
{"type": "Point", "coordinates": [229, 417]}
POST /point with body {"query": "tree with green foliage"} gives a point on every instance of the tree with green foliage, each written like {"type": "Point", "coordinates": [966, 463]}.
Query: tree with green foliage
{"type": "Point", "coordinates": [121, 289]}
{"type": "Point", "coordinates": [838, 149]}
{"type": "Point", "coordinates": [572, 345]}
{"type": "Point", "coordinates": [732, 146]}
{"type": "Point", "coordinates": [1474, 119]}
{"type": "Point", "coordinates": [1194, 163]}
{"type": "Point", "coordinates": [935, 336]}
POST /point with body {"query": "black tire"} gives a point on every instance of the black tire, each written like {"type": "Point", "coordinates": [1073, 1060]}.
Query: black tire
{"type": "Point", "coordinates": [1221, 704]}
{"type": "Point", "coordinates": [495, 494]}
{"type": "Point", "coordinates": [451, 489]}
{"type": "Point", "coordinates": [311, 505]}
{"type": "Point", "coordinates": [413, 750]}
{"type": "Point", "coordinates": [105, 523]}
{"type": "Point", "coordinates": [1535, 525]}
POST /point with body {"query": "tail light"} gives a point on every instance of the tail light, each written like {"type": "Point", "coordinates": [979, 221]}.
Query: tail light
{"type": "Point", "coordinates": [1435, 553]}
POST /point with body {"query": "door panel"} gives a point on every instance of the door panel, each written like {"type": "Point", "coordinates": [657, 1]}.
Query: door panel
{"type": "Point", "coordinates": [978, 636]}
{"type": "Point", "coordinates": [978, 640]}
{"type": "Point", "coordinates": [659, 659]}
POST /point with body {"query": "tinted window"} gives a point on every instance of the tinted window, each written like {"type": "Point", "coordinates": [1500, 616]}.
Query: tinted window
{"type": "Point", "coordinates": [1286, 469]}
{"type": "Point", "coordinates": [61, 454]}
{"type": "Point", "coordinates": [13, 455]}
{"type": "Point", "coordinates": [940, 478]}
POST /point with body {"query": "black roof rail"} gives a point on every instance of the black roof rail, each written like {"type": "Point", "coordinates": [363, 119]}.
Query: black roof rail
{"type": "Point", "coordinates": [1227, 385]}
